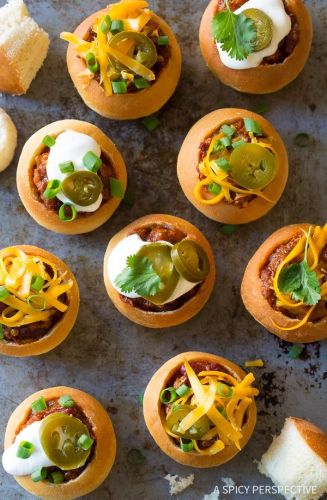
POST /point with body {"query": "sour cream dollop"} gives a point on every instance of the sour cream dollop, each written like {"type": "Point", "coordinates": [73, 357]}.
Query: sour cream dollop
{"type": "Point", "coordinates": [72, 146]}
{"type": "Point", "coordinates": [26, 466]}
{"type": "Point", "coordinates": [281, 27]}
{"type": "Point", "coordinates": [130, 246]}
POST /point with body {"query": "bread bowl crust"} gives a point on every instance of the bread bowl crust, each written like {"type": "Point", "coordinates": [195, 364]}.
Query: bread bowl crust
{"type": "Point", "coordinates": [313, 436]}
{"type": "Point", "coordinates": [153, 412]}
{"type": "Point", "coordinates": [59, 330]}
{"type": "Point", "coordinates": [99, 467]}
{"type": "Point", "coordinates": [260, 308]}
{"type": "Point", "coordinates": [9, 78]}
{"type": "Point", "coordinates": [188, 161]}
{"type": "Point", "coordinates": [263, 79]}
{"type": "Point", "coordinates": [48, 218]}
{"type": "Point", "coordinates": [192, 306]}
{"type": "Point", "coordinates": [128, 106]}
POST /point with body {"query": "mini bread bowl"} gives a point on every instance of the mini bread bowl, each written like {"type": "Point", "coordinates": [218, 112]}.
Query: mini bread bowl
{"type": "Point", "coordinates": [265, 78]}
{"type": "Point", "coordinates": [95, 471]}
{"type": "Point", "coordinates": [30, 197]}
{"type": "Point", "coordinates": [193, 305]}
{"type": "Point", "coordinates": [275, 320]}
{"type": "Point", "coordinates": [62, 327]}
{"type": "Point", "coordinates": [154, 413]}
{"type": "Point", "coordinates": [189, 159]}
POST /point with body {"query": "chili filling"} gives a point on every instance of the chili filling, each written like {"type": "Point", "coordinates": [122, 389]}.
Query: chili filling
{"type": "Point", "coordinates": [53, 406]}
{"type": "Point", "coordinates": [153, 233]}
{"type": "Point", "coordinates": [286, 46]}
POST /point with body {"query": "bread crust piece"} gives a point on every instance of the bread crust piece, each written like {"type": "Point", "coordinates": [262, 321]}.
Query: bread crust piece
{"type": "Point", "coordinates": [153, 414]}
{"type": "Point", "coordinates": [188, 161]}
{"type": "Point", "coordinates": [8, 140]}
{"type": "Point", "coordinates": [9, 78]}
{"type": "Point", "coordinates": [99, 467]}
{"type": "Point", "coordinates": [59, 330]}
{"type": "Point", "coordinates": [260, 308]}
{"type": "Point", "coordinates": [192, 306]}
{"type": "Point", "coordinates": [315, 437]}
{"type": "Point", "coordinates": [128, 106]}
{"type": "Point", "coordinates": [263, 79]}
{"type": "Point", "coordinates": [48, 218]}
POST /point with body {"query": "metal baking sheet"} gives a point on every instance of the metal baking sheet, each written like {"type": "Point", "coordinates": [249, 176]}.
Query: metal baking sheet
{"type": "Point", "coordinates": [112, 358]}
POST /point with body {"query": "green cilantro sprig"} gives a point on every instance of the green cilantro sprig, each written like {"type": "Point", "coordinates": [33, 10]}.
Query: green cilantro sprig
{"type": "Point", "coordinates": [235, 32]}
{"type": "Point", "coordinates": [299, 281]}
{"type": "Point", "coordinates": [138, 276]}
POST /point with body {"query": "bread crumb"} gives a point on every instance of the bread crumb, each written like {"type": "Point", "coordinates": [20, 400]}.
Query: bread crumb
{"type": "Point", "coordinates": [178, 484]}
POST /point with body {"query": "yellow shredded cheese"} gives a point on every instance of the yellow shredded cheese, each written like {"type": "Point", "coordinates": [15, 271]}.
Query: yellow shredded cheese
{"type": "Point", "coordinates": [255, 363]}
{"type": "Point", "coordinates": [132, 64]}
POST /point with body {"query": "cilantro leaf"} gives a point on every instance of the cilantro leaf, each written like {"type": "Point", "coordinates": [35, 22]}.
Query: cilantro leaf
{"type": "Point", "coordinates": [290, 278]}
{"type": "Point", "coordinates": [139, 277]}
{"type": "Point", "coordinates": [235, 32]}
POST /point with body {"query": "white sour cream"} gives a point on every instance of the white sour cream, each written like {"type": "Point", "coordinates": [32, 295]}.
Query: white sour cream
{"type": "Point", "coordinates": [72, 146]}
{"type": "Point", "coordinates": [26, 466]}
{"type": "Point", "coordinates": [281, 28]}
{"type": "Point", "coordinates": [130, 246]}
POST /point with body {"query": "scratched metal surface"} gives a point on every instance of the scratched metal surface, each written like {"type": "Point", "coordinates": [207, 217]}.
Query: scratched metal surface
{"type": "Point", "coordinates": [107, 355]}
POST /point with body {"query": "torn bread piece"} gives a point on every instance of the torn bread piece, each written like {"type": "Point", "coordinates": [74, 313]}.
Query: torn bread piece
{"type": "Point", "coordinates": [8, 140]}
{"type": "Point", "coordinates": [23, 48]}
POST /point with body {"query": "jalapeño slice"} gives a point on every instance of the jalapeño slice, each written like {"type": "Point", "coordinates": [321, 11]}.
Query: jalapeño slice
{"type": "Point", "coordinates": [178, 413]}
{"type": "Point", "coordinates": [59, 435]}
{"type": "Point", "coordinates": [160, 258]}
{"type": "Point", "coordinates": [82, 188]}
{"type": "Point", "coordinates": [190, 260]}
{"type": "Point", "coordinates": [144, 50]}
{"type": "Point", "coordinates": [264, 28]}
{"type": "Point", "coordinates": [252, 166]}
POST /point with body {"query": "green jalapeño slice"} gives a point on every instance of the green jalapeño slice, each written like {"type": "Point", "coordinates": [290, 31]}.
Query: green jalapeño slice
{"type": "Point", "coordinates": [160, 258]}
{"type": "Point", "coordinates": [264, 28]}
{"type": "Point", "coordinates": [190, 260]}
{"type": "Point", "coordinates": [144, 52]}
{"type": "Point", "coordinates": [82, 188]}
{"type": "Point", "coordinates": [59, 436]}
{"type": "Point", "coordinates": [178, 413]}
{"type": "Point", "coordinates": [252, 166]}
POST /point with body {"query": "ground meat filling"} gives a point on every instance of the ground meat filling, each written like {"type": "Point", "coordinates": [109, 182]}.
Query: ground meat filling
{"type": "Point", "coordinates": [267, 276]}
{"type": "Point", "coordinates": [75, 411]}
{"type": "Point", "coordinates": [40, 181]}
{"type": "Point", "coordinates": [286, 46]}
{"type": "Point", "coordinates": [153, 233]}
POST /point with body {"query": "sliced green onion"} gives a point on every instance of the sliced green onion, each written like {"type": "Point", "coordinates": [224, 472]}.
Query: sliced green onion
{"type": "Point", "coordinates": [48, 141]}
{"type": "Point", "coordinates": [129, 198]}
{"type": "Point", "coordinates": [39, 475]}
{"type": "Point", "coordinates": [218, 146]}
{"type": "Point", "coordinates": [105, 25]}
{"type": "Point", "coordinates": [56, 477]}
{"type": "Point", "coordinates": [4, 294]}
{"type": "Point", "coordinates": [2, 335]}
{"type": "Point", "coordinates": [66, 401]}
{"type": "Point", "coordinates": [214, 188]}
{"type": "Point", "coordinates": [228, 229]}
{"type": "Point", "coordinates": [163, 40]}
{"type": "Point", "coordinates": [222, 411]}
{"type": "Point", "coordinates": [223, 164]}
{"type": "Point", "coordinates": [261, 108]}
{"type": "Point", "coordinates": [52, 189]}
{"type": "Point", "coordinates": [116, 26]}
{"type": "Point", "coordinates": [225, 141]}
{"type": "Point", "coordinates": [227, 130]}
{"type": "Point", "coordinates": [36, 302]}
{"type": "Point", "coordinates": [182, 390]}
{"type": "Point", "coordinates": [140, 398]}
{"type": "Point", "coordinates": [119, 87]}
{"type": "Point", "coordinates": [135, 457]}
{"type": "Point", "coordinates": [116, 188]}
{"type": "Point", "coordinates": [296, 351]}
{"type": "Point", "coordinates": [62, 212]}
{"type": "Point", "coordinates": [302, 140]}
{"type": "Point", "coordinates": [92, 162]}
{"type": "Point", "coordinates": [39, 405]}
{"type": "Point", "coordinates": [186, 445]}
{"type": "Point", "coordinates": [92, 62]}
{"type": "Point", "coordinates": [168, 395]}
{"type": "Point", "coordinates": [236, 144]}
{"type": "Point", "coordinates": [151, 122]}
{"type": "Point", "coordinates": [141, 83]}
{"type": "Point", "coordinates": [66, 167]}
{"type": "Point", "coordinates": [85, 442]}
{"type": "Point", "coordinates": [37, 283]}
{"type": "Point", "coordinates": [252, 126]}
{"type": "Point", "coordinates": [225, 391]}
{"type": "Point", "coordinates": [25, 450]}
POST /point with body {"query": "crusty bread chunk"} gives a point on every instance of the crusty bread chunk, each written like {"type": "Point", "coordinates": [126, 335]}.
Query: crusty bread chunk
{"type": "Point", "coordinates": [23, 48]}
{"type": "Point", "coordinates": [297, 460]}
{"type": "Point", "coordinates": [8, 140]}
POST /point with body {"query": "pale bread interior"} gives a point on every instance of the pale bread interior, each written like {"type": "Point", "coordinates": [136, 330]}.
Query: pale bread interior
{"type": "Point", "coordinates": [8, 140]}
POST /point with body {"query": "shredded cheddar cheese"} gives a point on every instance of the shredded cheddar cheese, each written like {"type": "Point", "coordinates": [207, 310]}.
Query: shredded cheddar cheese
{"type": "Point", "coordinates": [254, 363]}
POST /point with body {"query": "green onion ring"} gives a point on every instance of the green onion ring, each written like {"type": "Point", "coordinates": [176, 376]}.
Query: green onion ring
{"type": "Point", "coordinates": [172, 395]}
{"type": "Point", "coordinates": [63, 217]}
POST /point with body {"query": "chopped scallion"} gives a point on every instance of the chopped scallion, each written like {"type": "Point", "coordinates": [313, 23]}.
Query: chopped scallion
{"type": "Point", "coordinates": [261, 108]}
{"type": "Point", "coordinates": [182, 390]}
{"type": "Point", "coordinates": [227, 130]}
{"type": "Point", "coordinates": [141, 83]}
{"type": "Point", "coordinates": [56, 477]}
{"type": "Point", "coordinates": [129, 198]}
{"type": "Point", "coordinates": [66, 167]}
{"type": "Point", "coordinates": [39, 405]}
{"type": "Point", "coordinates": [52, 189]}
{"type": "Point", "coordinates": [228, 229]}
{"type": "Point", "coordinates": [116, 26]}
{"type": "Point", "coordinates": [236, 144]}
{"type": "Point", "coordinates": [296, 351]}
{"type": "Point", "coordinates": [92, 162]}
{"type": "Point", "coordinates": [119, 87]}
{"type": "Point", "coordinates": [214, 188]}
{"type": "Point", "coordinates": [85, 442]}
{"type": "Point", "coordinates": [225, 141]}
{"type": "Point", "coordinates": [66, 401]}
{"type": "Point", "coordinates": [116, 188]}
{"type": "Point", "coordinates": [302, 140]}
{"type": "Point", "coordinates": [225, 391]}
{"type": "Point", "coordinates": [163, 40]}
{"type": "Point", "coordinates": [25, 450]}
{"type": "Point", "coordinates": [39, 475]}
{"type": "Point", "coordinates": [140, 398]}
{"type": "Point", "coordinates": [151, 122]}
{"type": "Point", "coordinates": [65, 207]}
{"type": "Point", "coordinates": [37, 283]}
{"type": "Point", "coordinates": [2, 335]}
{"type": "Point", "coordinates": [223, 164]}
{"type": "Point", "coordinates": [92, 62]}
{"type": "Point", "coordinates": [168, 395]}
{"type": "Point", "coordinates": [252, 126]}
{"type": "Point", "coordinates": [48, 141]}
{"type": "Point", "coordinates": [186, 445]}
